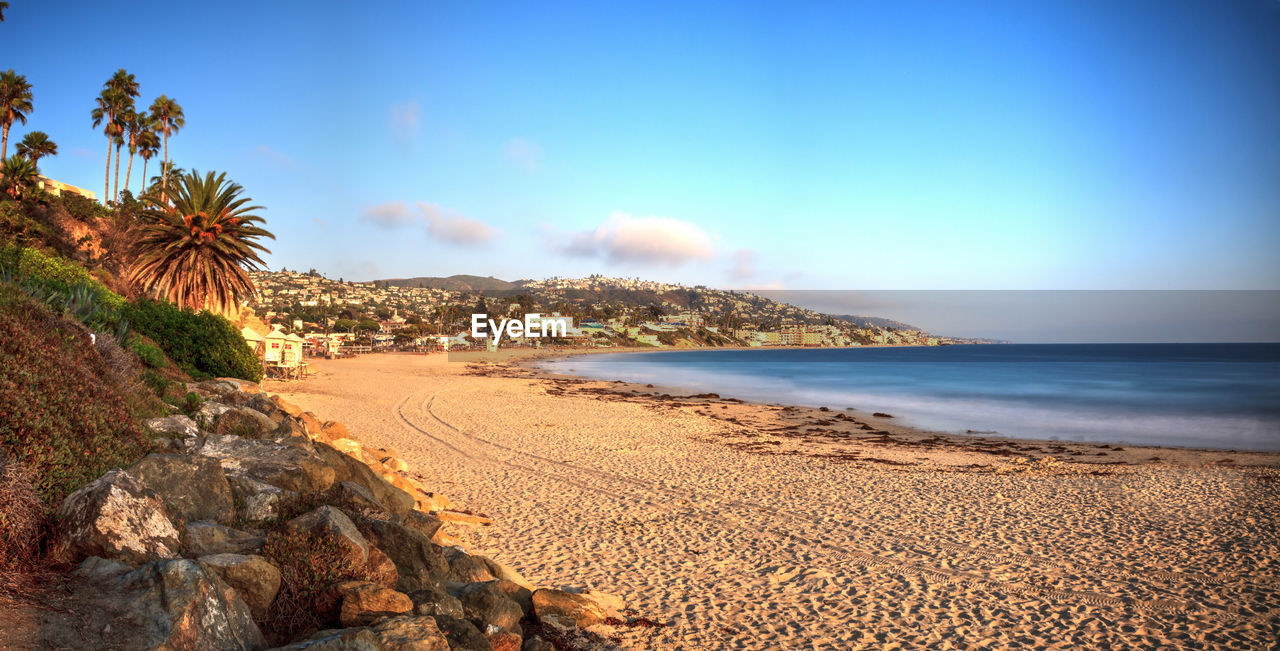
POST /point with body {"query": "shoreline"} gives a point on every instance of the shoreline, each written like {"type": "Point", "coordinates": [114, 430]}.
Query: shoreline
{"type": "Point", "coordinates": [529, 362]}
{"type": "Point", "coordinates": [740, 525]}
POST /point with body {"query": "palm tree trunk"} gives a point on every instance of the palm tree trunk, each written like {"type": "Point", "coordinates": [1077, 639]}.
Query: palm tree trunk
{"type": "Point", "coordinates": [143, 190]}
{"type": "Point", "coordinates": [115, 194]}
{"type": "Point", "coordinates": [164, 169]}
{"type": "Point", "coordinates": [106, 176]}
{"type": "Point", "coordinates": [128, 172]}
{"type": "Point", "coordinates": [4, 143]}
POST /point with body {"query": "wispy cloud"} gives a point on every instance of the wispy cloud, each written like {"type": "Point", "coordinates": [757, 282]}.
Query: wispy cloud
{"type": "Point", "coordinates": [524, 154]}
{"type": "Point", "coordinates": [405, 121]}
{"type": "Point", "coordinates": [278, 158]}
{"type": "Point", "coordinates": [646, 240]}
{"type": "Point", "coordinates": [389, 215]}
{"type": "Point", "coordinates": [448, 226]}
{"type": "Point", "coordinates": [743, 264]}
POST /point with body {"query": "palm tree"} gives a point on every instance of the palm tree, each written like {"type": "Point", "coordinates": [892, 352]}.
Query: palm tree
{"type": "Point", "coordinates": [109, 103]}
{"type": "Point", "coordinates": [135, 127]}
{"type": "Point", "coordinates": [169, 174]}
{"type": "Point", "coordinates": [3, 6]}
{"type": "Point", "coordinates": [123, 87]}
{"type": "Point", "coordinates": [195, 249]}
{"type": "Point", "coordinates": [148, 145]}
{"type": "Point", "coordinates": [36, 145]}
{"type": "Point", "coordinates": [15, 104]}
{"type": "Point", "coordinates": [169, 120]}
{"type": "Point", "coordinates": [18, 174]}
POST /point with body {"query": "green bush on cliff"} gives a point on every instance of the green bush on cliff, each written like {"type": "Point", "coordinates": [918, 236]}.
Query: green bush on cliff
{"type": "Point", "coordinates": [202, 344]}
{"type": "Point", "coordinates": [64, 413]}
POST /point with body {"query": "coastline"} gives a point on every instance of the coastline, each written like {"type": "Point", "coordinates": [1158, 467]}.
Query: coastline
{"type": "Point", "coordinates": [741, 525]}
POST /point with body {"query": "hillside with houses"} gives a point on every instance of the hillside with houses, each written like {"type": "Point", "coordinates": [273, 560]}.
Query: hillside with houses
{"type": "Point", "coordinates": [604, 311]}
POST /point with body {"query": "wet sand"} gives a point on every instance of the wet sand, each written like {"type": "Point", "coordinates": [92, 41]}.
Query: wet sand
{"type": "Point", "coordinates": [752, 526]}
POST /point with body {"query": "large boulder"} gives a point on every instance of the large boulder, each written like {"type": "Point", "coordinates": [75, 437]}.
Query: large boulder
{"type": "Point", "coordinates": [424, 523]}
{"type": "Point", "coordinates": [244, 422]}
{"type": "Point", "coordinates": [208, 538]}
{"type": "Point", "coordinates": [419, 563]}
{"type": "Point", "coordinates": [348, 468]}
{"type": "Point", "coordinates": [364, 603]}
{"type": "Point", "coordinates": [290, 464]}
{"type": "Point", "coordinates": [435, 601]}
{"type": "Point", "coordinates": [259, 501]}
{"type": "Point", "coordinates": [173, 605]}
{"type": "Point", "coordinates": [393, 634]}
{"type": "Point", "coordinates": [177, 426]}
{"type": "Point", "coordinates": [331, 521]}
{"type": "Point", "coordinates": [114, 517]}
{"type": "Point", "coordinates": [210, 410]}
{"type": "Point", "coordinates": [254, 579]}
{"type": "Point", "coordinates": [192, 487]}
{"type": "Point", "coordinates": [485, 605]}
{"type": "Point", "coordinates": [462, 634]}
{"type": "Point", "coordinates": [465, 568]}
{"type": "Point", "coordinates": [500, 571]}
{"type": "Point", "coordinates": [567, 609]}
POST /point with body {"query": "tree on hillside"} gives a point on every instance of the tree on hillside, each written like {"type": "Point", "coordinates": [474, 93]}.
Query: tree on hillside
{"type": "Point", "coordinates": [15, 104]}
{"type": "Point", "coordinates": [19, 175]}
{"type": "Point", "coordinates": [195, 248]}
{"type": "Point", "coordinates": [3, 6]}
{"type": "Point", "coordinates": [169, 120]}
{"type": "Point", "coordinates": [135, 128]}
{"type": "Point", "coordinates": [126, 86]}
{"type": "Point", "coordinates": [36, 145]}
{"type": "Point", "coordinates": [169, 174]}
{"type": "Point", "coordinates": [148, 145]}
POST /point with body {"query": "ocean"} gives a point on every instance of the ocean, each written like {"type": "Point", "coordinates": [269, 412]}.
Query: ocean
{"type": "Point", "coordinates": [1224, 396]}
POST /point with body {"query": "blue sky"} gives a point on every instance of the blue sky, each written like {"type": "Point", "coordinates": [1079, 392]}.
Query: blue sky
{"type": "Point", "coordinates": [892, 145]}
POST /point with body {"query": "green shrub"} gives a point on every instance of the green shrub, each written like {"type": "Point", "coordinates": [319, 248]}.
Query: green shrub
{"type": "Point", "coordinates": [61, 413]}
{"type": "Point", "coordinates": [147, 352]}
{"type": "Point", "coordinates": [202, 344]}
{"type": "Point", "coordinates": [82, 208]}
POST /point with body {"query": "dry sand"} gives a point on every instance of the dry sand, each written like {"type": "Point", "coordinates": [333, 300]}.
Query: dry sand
{"type": "Point", "coordinates": [761, 527]}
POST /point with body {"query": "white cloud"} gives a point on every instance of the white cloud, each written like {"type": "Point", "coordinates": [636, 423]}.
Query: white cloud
{"type": "Point", "coordinates": [392, 214]}
{"type": "Point", "coordinates": [524, 154]}
{"type": "Point", "coordinates": [448, 226]}
{"type": "Point", "coordinates": [651, 240]}
{"type": "Point", "coordinates": [405, 120]}
{"type": "Point", "coordinates": [744, 264]}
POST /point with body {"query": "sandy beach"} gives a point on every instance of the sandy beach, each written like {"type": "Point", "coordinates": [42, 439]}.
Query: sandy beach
{"type": "Point", "coordinates": [737, 525]}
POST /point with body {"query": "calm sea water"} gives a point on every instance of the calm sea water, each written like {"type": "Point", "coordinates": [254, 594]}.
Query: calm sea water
{"type": "Point", "coordinates": [1196, 395]}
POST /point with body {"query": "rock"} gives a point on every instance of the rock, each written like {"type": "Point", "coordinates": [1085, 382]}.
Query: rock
{"type": "Point", "coordinates": [216, 388]}
{"type": "Point", "coordinates": [345, 639]}
{"type": "Point", "coordinates": [536, 643]}
{"type": "Point", "coordinates": [244, 422]}
{"type": "Point", "coordinates": [355, 499]}
{"type": "Point", "coordinates": [258, 501]}
{"type": "Point", "coordinates": [334, 430]}
{"type": "Point", "coordinates": [521, 595]}
{"type": "Point", "coordinates": [290, 427]}
{"type": "Point", "coordinates": [419, 563]}
{"type": "Point", "coordinates": [504, 640]}
{"type": "Point", "coordinates": [175, 604]}
{"type": "Point", "coordinates": [210, 411]}
{"type": "Point", "coordinates": [96, 568]}
{"type": "Point", "coordinates": [396, 464]}
{"type": "Point", "coordinates": [424, 523]}
{"type": "Point", "coordinates": [410, 634]}
{"type": "Point", "coordinates": [287, 407]}
{"type": "Point", "coordinates": [566, 609]}
{"type": "Point", "coordinates": [465, 568]}
{"type": "Point", "coordinates": [364, 603]}
{"type": "Point", "coordinates": [244, 386]}
{"type": "Point", "coordinates": [462, 634]}
{"type": "Point", "coordinates": [435, 601]}
{"type": "Point", "coordinates": [500, 571]}
{"type": "Point", "coordinates": [485, 604]}
{"type": "Point", "coordinates": [192, 487]}
{"type": "Point", "coordinates": [254, 579]}
{"type": "Point", "coordinates": [115, 518]}
{"type": "Point", "coordinates": [327, 520]}
{"type": "Point", "coordinates": [177, 426]}
{"type": "Point", "coordinates": [347, 468]}
{"type": "Point", "coordinates": [290, 464]}
{"type": "Point", "coordinates": [311, 424]}
{"type": "Point", "coordinates": [209, 538]}
{"type": "Point", "coordinates": [347, 446]}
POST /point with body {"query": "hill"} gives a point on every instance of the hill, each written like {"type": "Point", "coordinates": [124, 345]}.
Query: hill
{"type": "Point", "coordinates": [877, 322]}
{"type": "Point", "coordinates": [455, 283]}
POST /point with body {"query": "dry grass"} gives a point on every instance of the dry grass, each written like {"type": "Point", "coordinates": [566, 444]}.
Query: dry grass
{"type": "Point", "coordinates": [23, 524]}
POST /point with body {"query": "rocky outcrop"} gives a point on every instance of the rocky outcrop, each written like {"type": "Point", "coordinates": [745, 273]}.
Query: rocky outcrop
{"type": "Point", "coordinates": [192, 487]}
{"type": "Point", "coordinates": [252, 577]}
{"type": "Point", "coordinates": [116, 518]}
{"type": "Point", "coordinates": [288, 464]}
{"type": "Point", "coordinates": [170, 604]}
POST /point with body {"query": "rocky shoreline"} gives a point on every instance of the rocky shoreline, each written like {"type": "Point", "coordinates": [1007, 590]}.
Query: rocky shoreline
{"type": "Point", "coordinates": [258, 525]}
